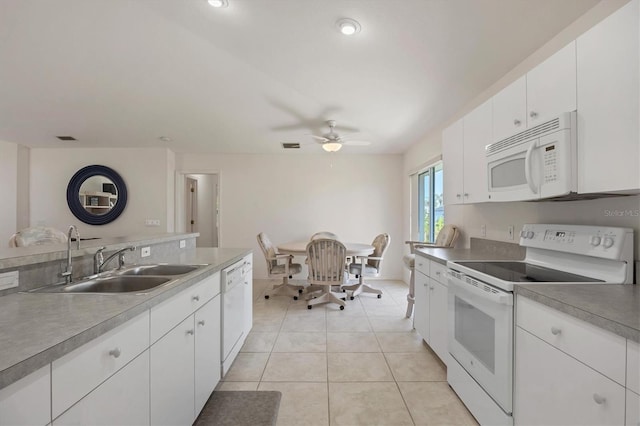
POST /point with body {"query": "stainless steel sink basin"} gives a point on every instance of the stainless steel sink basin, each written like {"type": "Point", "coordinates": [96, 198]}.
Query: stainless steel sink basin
{"type": "Point", "coordinates": [162, 269]}
{"type": "Point", "coordinates": [112, 284]}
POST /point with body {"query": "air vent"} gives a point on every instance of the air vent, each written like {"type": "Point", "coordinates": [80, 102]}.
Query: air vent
{"type": "Point", "coordinates": [292, 145]}
{"type": "Point", "coordinates": [521, 137]}
{"type": "Point", "coordinates": [66, 138]}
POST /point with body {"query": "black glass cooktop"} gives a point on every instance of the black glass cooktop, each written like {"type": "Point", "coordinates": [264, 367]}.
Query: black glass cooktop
{"type": "Point", "coordinates": [524, 272]}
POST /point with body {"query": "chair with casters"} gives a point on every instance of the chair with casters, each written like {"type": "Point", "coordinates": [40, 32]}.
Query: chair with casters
{"type": "Point", "coordinates": [446, 239]}
{"type": "Point", "coordinates": [37, 236]}
{"type": "Point", "coordinates": [324, 234]}
{"type": "Point", "coordinates": [279, 265]}
{"type": "Point", "coordinates": [327, 261]}
{"type": "Point", "coordinates": [368, 266]}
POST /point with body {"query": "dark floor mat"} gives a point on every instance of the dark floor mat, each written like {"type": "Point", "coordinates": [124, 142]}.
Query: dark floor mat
{"type": "Point", "coordinates": [240, 408]}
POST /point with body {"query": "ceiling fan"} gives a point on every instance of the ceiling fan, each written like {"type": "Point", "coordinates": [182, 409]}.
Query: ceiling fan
{"type": "Point", "coordinates": [332, 141]}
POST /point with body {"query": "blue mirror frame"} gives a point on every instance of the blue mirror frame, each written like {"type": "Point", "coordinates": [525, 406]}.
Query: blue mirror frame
{"type": "Point", "coordinates": [73, 195]}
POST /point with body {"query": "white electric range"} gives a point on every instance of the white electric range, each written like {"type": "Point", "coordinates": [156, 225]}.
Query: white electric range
{"type": "Point", "coordinates": [480, 304]}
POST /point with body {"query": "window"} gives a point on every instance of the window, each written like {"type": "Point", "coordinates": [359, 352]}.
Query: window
{"type": "Point", "coordinates": [430, 203]}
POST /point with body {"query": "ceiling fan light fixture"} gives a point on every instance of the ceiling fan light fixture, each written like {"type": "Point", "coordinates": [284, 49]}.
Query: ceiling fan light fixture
{"type": "Point", "coordinates": [218, 3]}
{"type": "Point", "coordinates": [348, 26]}
{"type": "Point", "coordinates": [331, 146]}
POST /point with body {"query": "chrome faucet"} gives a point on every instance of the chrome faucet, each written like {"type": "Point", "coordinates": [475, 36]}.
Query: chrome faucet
{"type": "Point", "coordinates": [68, 273]}
{"type": "Point", "coordinates": [99, 261]}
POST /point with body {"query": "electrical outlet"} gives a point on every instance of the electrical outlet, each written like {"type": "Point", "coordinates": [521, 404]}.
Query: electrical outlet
{"type": "Point", "coordinates": [152, 222]}
{"type": "Point", "coordinates": [510, 232]}
{"type": "Point", "coordinates": [483, 230]}
{"type": "Point", "coordinates": [183, 243]}
{"type": "Point", "coordinates": [145, 251]}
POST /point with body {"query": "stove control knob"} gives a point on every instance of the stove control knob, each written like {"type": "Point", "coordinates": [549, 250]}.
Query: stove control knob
{"type": "Point", "coordinates": [523, 234]}
{"type": "Point", "coordinates": [595, 240]}
{"type": "Point", "coordinates": [607, 242]}
{"type": "Point", "coordinates": [530, 234]}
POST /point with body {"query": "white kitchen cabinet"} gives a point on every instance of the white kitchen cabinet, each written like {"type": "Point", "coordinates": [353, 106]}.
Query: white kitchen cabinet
{"type": "Point", "coordinates": [477, 134]}
{"type": "Point", "coordinates": [608, 57]}
{"type": "Point", "coordinates": [207, 351]}
{"type": "Point", "coordinates": [453, 163]}
{"type": "Point", "coordinates": [83, 369]}
{"type": "Point", "coordinates": [123, 399]}
{"type": "Point", "coordinates": [632, 417]}
{"type": "Point", "coordinates": [551, 86]}
{"type": "Point", "coordinates": [421, 305]}
{"type": "Point", "coordinates": [430, 307]}
{"type": "Point", "coordinates": [633, 366]}
{"type": "Point", "coordinates": [248, 296]}
{"type": "Point", "coordinates": [546, 91]}
{"type": "Point", "coordinates": [27, 401]}
{"type": "Point", "coordinates": [172, 376]}
{"type": "Point", "coordinates": [552, 388]}
{"type": "Point", "coordinates": [510, 110]}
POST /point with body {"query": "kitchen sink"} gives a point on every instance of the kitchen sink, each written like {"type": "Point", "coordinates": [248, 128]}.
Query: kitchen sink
{"type": "Point", "coordinates": [111, 284]}
{"type": "Point", "coordinates": [161, 269]}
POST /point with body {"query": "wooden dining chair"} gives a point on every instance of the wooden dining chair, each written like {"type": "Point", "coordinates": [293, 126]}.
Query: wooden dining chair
{"type": "Point", "coordinates": [279, 265]}
{"type": "Point", "coordinates": [446, 239]}
{"type": "Point", "coordinates": [326, 261]}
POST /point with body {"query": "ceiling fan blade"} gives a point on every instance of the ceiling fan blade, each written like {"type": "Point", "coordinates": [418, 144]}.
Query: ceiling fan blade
{"type": "Point", "coordinates": [320, 138]}
{"type": "Point", "coordinates": [356, 143]}
{"type": "Point", "coordinates": [342, 128]}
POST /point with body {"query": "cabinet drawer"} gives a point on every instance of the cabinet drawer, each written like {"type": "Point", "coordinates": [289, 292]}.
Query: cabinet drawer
{"type": "Point", "coordinates": [633, 366]}
{"type": "Point", "coordinates": [27, 401]}
{"type": "Point", "coordinates": [439, 272]}
{"type": "Point", "coordinates": [77, 373]}
{"type": "Point", "coordinates": [422, 264]}
{"type": "Point", "coordinates": [598, 348]}
{"type": "Point", "coordinates": [171, 312]}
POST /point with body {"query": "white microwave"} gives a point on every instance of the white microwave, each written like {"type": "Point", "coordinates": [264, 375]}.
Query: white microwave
{"type": "Point", "coordinates": [534, 164]}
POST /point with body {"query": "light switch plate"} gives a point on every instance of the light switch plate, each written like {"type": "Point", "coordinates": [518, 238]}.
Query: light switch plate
{"type": "Point", "coordinates": [183, 243]}
{"type": "Point", "coordinates": [8, 280]}
{"type": "Point", "coordinates": [145, 251]}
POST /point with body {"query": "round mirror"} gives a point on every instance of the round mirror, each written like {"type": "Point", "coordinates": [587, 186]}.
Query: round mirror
{"type": "Point", "coordinates": [96, 195]}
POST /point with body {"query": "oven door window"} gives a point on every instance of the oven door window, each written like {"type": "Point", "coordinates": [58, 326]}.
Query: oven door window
{"type": "Point", "coordinates": [475, 330]}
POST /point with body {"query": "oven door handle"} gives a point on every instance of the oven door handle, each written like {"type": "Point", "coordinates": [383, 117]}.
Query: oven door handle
{"type": "Point", "coordinates": [527, 167]}
{"type": "Point", "coordinates": [500, 298]}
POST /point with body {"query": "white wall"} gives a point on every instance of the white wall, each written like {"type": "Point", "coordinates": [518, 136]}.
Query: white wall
{"type": "Point", "coordinates": [497, 216]}
{"type": "Point", "coordinates": [145, 172]}
{"type": "Point", "coordinates": [23, 187]}
{"type": "Point", "coordinates": [290, 197]}
{"type": "Point", "coordinates": [8, 190]}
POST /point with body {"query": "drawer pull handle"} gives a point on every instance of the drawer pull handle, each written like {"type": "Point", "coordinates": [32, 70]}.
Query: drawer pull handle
{"type": "Point", "coordinates": [517, 122]}
{"type": "Point", "coordinates": [201, 322]}
{"type": "Point", "coordinates": [196, 298]}
{"type": "Point", "coordinates": [430, 287]}
{"type": "Point", "coordinates": [555, 331]}
{"type": "Point", "coordinates": [190, 332]}
{"type": "Point", "coordinates": [115, 352]}
{"type": "Point", "coordinates": [599, 399]}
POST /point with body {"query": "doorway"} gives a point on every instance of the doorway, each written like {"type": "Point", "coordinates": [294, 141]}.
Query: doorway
{"type": "Point", "coordinates": [197, 206]}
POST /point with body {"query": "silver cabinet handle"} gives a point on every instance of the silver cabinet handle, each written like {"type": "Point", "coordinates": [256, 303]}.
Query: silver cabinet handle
{"type": "Point", "coordinates": [458, 195]}
{"type": "Point", "coordinates": [190, 332]}
{"type": "Point", "coordinates": [196, 298]}
{"type": "Point", "coordinates": [555, 331]}
{"type": "Point", "coordinates": [599, 399]}
{"type": "Point", "coordinates": [115, 352]}
{"type": "Point", "coordinates": [201, 322]}
{"type": "Point", "coordinates": [517, 122]}
{"type": "Point", "coordinates": [419, 264]}
{"type": "Point", "coordinates": [438, 273]}
{"type": "Point", "coordinates": [430, 287]}
{"type": "Point", "coordinates": [533, 114]}
{"type": "Point", "coordinates": [466, 194]}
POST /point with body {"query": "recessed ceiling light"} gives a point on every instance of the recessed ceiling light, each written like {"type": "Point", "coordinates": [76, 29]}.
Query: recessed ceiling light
{"type": "Point", "coordinates": [218, 3]}
{"type": "Point", "coordinates": [165, 138]}
{"type": "Point", "coordinates": [348, 26]}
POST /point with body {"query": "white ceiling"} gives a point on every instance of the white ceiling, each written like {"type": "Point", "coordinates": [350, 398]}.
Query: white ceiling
{"type": "Point", "coordinates": [260, 72]}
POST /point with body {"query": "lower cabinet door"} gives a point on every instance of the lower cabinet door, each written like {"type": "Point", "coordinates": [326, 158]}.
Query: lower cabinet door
{"type": "Point", "coordinates": [633, 409]}
{"type": "Point", "coordinates": [438, 319]}
{"type": "Point", "coordinates": [123, 399]}
{"type": "Point", "coordinates": [421, 305]}
{"type": "Point", "coordinates": [172, 376]}
{"type": "Point", "coordinates": [27, 401]}
{"type": "Point", "coordinates": [552, 388]}
{"type": "Point", "coordinates": [207, 351]}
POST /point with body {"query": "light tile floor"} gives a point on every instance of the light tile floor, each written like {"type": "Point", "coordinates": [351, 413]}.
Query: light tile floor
{"type": "Point", "coordinates": [361, 366]}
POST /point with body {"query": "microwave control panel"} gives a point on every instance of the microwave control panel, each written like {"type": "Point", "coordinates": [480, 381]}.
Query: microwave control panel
{"type": "Point", "coordinates": [550, 163]}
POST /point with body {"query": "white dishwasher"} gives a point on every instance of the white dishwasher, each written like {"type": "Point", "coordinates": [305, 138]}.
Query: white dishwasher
{"type": "Point", "coordinates": [233, 305]}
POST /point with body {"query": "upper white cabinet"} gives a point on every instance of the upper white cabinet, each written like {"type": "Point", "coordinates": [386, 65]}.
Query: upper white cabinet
{"type": "Point", "coordinates": [452, 157]}
{"type": "Point", "coordinates": [608, 58]}
{"type": "Point", "coordinates": [544, 92]}
{"type": "Point", "coordinates": [477, 135]}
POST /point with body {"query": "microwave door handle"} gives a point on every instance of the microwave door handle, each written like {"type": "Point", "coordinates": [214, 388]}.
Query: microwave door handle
{"type": "Point", "coordinates": [527, 167]}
